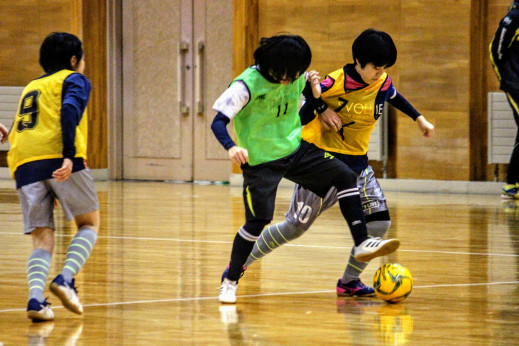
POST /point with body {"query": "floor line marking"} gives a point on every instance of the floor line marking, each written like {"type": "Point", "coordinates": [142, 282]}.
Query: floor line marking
{"type": "Point", "coordinates": [153, 301]}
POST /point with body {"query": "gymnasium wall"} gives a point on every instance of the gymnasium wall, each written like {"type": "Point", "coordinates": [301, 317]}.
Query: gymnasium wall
{"type": "Point", "coordinates": [440, 69]}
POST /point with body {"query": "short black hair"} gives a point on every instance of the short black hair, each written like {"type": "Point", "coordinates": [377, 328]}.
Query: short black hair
{"type": "Point", "coordinates": [283, 56]}
{"type": "Point", "coordinates": [57, 49]}
{"type": "Point", "coordinates": [376, 47]}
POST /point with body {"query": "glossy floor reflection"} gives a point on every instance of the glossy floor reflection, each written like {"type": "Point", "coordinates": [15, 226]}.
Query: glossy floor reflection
{"type": "Point", "coordinates": [153, 277]}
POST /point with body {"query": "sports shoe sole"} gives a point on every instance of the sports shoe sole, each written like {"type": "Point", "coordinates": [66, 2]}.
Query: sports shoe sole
{"type": "Point", "coordinates": [356, 295]}
{"type": "Point", "coordinates": [58, 292]}
{"type": "Point", "coordinates": [227, 301]}
{"type": "Point", "coordinates": [36, 316]}
{"type": "Point", "coordinates": [387, 248]}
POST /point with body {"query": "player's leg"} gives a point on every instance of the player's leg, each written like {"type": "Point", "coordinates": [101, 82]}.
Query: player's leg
{"type": "Point", "coordinates": [37, 207]}
{"type": "Point", "coordinates": [350, 283]}
{"type": "Point", "coordinates": [318, 171]}
{"type": "Point", "coordinates": [304, 209]}
{"type": "Point", "coordinates": [259, 194]}
{"type": "Point", "coordinates": [511, 189]}
{"type": "Point", "coordinates": [78, 199]}
{"type": "Point", "coordinates": [377, 222]}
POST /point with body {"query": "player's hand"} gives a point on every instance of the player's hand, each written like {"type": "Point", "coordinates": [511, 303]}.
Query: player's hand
{"type": "Point", "coordinates": [315, 79]}
{"type": "Point", "coordinates": [330, 120]}
{"type": "Point", "coordinates": [238, 155]}
{"type": "Point", "coordinates": [64, 172]}
{"type": "Point", "coordinates": [425, 127]}
{"type": "Point", "coordinates": [3, 133]}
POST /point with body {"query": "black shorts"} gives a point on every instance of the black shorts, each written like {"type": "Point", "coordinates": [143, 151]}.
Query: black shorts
{"type": "Point", "coordinates": [308, 166]}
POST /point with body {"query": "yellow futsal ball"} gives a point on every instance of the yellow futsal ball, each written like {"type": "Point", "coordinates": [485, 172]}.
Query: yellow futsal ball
{"type": "Point", "coordinates": [393, 282]}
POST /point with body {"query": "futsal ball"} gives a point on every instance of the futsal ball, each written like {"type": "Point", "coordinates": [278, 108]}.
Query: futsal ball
{"type": "Point", "coordinates": [393, 282]}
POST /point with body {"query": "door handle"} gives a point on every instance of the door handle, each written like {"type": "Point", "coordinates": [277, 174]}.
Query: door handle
{"type": "Point", "coordinates": [199, 93]}
{"type": "Point", "coordinates": [183, 49]}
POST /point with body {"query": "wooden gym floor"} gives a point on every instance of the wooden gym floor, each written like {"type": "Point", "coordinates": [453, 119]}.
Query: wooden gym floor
{"type": "Point", "coordinates": [154, 275]}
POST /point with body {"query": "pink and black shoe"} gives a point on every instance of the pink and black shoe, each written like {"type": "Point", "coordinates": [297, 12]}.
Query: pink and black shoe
{"type": "Point", "coordinates": [354, 288]}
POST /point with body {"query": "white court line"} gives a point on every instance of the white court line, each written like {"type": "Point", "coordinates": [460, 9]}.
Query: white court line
{"type": "Point", "coordinates": [155, 301]}
{"type": "Point", "coordinates": [289, 245]}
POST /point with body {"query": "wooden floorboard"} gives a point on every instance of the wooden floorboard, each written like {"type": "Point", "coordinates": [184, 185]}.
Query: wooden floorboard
{"type": "Point", "coordinates": [154, 275]}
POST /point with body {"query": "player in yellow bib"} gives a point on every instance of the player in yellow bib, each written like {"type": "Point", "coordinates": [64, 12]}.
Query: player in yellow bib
{"type": "Point", "coordinates": [47, 159]}
{"type": "Point", "coordinates": [352, 100]}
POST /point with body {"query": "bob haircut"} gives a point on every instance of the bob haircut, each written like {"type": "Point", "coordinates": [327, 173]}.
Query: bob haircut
{"type": "Point", "coordinates": [283, 57]}
{"type": "Point", "coordinates": [57, 49]}
{"type": "Point", "coordinates": [376, 47]}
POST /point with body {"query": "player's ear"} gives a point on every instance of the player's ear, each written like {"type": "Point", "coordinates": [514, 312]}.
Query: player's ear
{"type": "Point", "coordinates": [73, 61]}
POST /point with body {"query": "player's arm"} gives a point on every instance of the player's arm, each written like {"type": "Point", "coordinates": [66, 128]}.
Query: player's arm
{"type": "Point", "coordinates": [400, 103]}
{"type": "Point", "coordinates": [328, 118]}
{"type": "Point", "coordinates": [227, 106]}
{"type": "Point", "coordinates": [219, 126]}
{"type": "Point", "coordinates": [3, 133]}
{"type": "Point", "coordinates": [313, 101]}
{"type": "Point", "coordinates": [76, 92]}
{"type": "Point", "coordinates": [502, 41]}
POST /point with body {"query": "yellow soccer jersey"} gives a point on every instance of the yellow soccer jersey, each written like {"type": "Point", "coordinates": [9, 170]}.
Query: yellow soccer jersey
{"type": "Point", "coordinates": [359, 105]}
{"type": "Point", "coordinates": [36, 132]}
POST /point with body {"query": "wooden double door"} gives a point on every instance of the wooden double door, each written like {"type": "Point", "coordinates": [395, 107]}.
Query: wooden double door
{"type": "Point", "coordinates": [176, 60]}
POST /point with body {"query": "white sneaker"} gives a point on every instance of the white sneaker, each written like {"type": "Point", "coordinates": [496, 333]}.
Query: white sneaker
{"type": "Point", "coordinates": [39, 311]}
{"type": "Point", "coordinates": [374, 247]}
{"type": "Point", "coordinates": [66, 292]}
{"type": "Point", "coordinates": [228, 291]}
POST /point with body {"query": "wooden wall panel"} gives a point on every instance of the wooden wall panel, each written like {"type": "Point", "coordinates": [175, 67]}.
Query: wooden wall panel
{"type": "Point", "coordinates": [478, 104]}
{"type": "Point", "coordinates": [434, 77]}
{"type": "Point", "coordinates": [245, 34]}
{"type": "Point", "coordinates": [23, 27]}
{"type": "Point", "coordinates": [95, 45]}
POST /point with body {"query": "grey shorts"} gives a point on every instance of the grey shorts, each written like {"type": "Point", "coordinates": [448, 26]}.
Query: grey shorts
{"type": "Point", "coordinates": [306, 206]}
{"type": "Point", "coordinates": [77, 196]}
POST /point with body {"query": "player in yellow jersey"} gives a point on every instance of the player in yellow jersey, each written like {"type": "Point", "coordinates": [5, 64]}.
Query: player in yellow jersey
{"type": "Point", "coordinates": [352, 100]}
{"type": "Point", "coordinates": [47, 159]}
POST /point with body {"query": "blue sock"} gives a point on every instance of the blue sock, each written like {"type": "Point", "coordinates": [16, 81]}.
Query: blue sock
{"type": "Point", "coordinates": [38, 266]}
{"type": "Point", "coordinates": [78, 252]}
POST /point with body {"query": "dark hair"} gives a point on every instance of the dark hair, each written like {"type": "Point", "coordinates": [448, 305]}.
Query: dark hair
{"type": "Point", "coordinates": [57, 49]}
{"type": "Point", "coordinates": [376, 47]}
{"type": "Point", "coordinates": [283, 56]}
